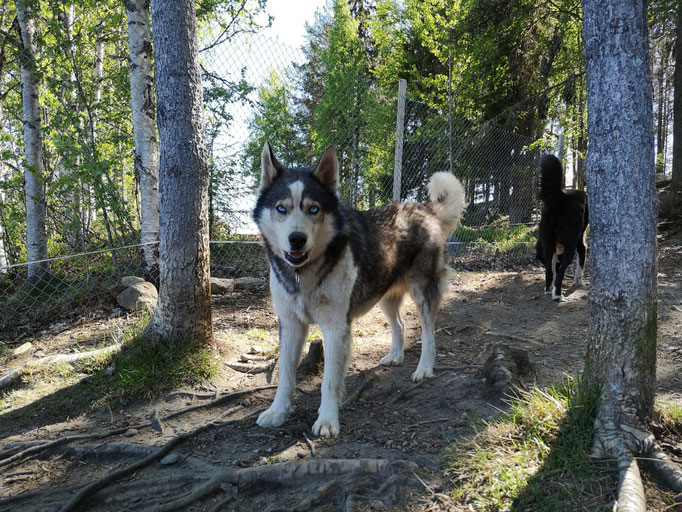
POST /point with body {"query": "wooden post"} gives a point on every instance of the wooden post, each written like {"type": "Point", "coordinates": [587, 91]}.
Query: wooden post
{"type": "Point", "coordinates": [399, 131]}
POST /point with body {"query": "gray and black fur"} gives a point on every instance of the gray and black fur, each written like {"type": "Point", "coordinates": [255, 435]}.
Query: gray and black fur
{"type": "Point", "coordinates": [562, 227]}
{"type": "Point", "coordinates": [331, 263]}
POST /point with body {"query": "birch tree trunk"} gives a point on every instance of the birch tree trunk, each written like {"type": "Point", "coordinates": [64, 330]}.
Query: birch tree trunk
{"type": "Point", "coordinates": [183, 312]}
{"type": "Point", "coordinates": [36, 235]}
{"type": "Point", "coordinates": [144, 130]}
{"type": "Point", "coordinates": [677, 107]}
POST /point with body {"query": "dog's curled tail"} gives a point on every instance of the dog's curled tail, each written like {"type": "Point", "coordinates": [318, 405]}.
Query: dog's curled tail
{"type": "Point", "coordinates": [447, 199]}
{"type": "Point", "coordinates": [551, 175]}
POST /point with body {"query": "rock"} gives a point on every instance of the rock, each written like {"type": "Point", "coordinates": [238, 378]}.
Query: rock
{"type": "Point", "coordinates": [221, 286]}
{"type": "Point", "coordinates": [171, 458]}
{"type": "Point", "coordinates": [130, 280]}
{"type": "Point", "coordinates": [38, 353]}
{"type": "Point", "coordinates": [138, 296]}
{"type": "Point", "coordinates": [130, 432]}
{"type": "Point", "coordinates": [249, 283]}
{"type": "Point", "coordinates": [662, 180]}
{"type": "Point", "coordinates": [22, 349]}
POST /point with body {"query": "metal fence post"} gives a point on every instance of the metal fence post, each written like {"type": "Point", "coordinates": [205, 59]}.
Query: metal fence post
{"type": "Point", "coordinates": [399, 132]}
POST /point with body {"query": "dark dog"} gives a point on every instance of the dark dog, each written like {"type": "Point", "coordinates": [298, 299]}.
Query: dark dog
{"type": "Point", "coordinates": [562, 227]}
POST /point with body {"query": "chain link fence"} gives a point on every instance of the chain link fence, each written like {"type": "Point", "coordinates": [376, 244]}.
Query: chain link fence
{"type": "Point", "coordinates": [94, 187]}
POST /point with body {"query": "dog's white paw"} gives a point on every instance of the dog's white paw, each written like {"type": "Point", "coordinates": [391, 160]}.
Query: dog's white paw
{"type": "Point", "coordinates": [422, 373]}
{"type": "Point", "coordinates": [392, 359]}
{"type": "Point", "coordinates": [326, 427]}
{"type": "Point", "coordinates": [273, 417]}
{"type": "Point", "coordinates": [558, 298]}
{"type": "Point", "coordinates": [548, 292]}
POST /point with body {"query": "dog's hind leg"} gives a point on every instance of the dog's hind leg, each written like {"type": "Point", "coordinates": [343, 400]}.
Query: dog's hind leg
{"type": "Point", "coordinates": [580, 265]}
{"type": "Point", "coordinates": [292, 335]}
{"type": "Point", "coordinates": [427, 299]}
{"type": "Point", "coordinates": [552, 261]}
{"type": "Point", "coordinates": [337, 348]}
{"type": "Point", "coordinates": [566, 259]}
{"type": "Point", "coordinates": [390, 305]}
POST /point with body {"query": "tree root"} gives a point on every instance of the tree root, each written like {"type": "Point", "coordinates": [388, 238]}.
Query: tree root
{"type": "Point", "coordinates": [281, 472]}
{"type": "Point", "coordinates": [115, 475]}
{"type": "Point", "coordinates": [628, 445]}
{"type": "Point", "coordinates": [251, 368]}
{"type": "Point", "coordinates": [366, 379]}
{"type": "Point", "coordinates": [6, 459]}
{"type": "Point", "coordinates": [14, 376]}
{"type": "Point", "coordinates": [404, 394]}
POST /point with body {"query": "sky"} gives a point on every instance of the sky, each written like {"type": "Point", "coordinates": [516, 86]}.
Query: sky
{"type": "Point", "coordinates": [290, 17]}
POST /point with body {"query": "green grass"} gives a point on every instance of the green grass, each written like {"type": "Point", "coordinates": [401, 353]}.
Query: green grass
{"type": "Point", "coordinates": [144, 368]}
{"type": "Point", "coordinates": [499, 237]}
{"type": "Point", "coordinates": [534, 457]}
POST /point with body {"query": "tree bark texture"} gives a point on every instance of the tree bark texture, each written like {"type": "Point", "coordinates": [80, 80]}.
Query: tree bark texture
{"type": "Point", "coordinates": [623, 209]}
{"type": "Point", "coordinates": [677, 107]}
{"type": "Point", "coordinates": [183, 312]}
{"type": "Point", "coordinates": [36, 235]}
{"type": "Point", "coordinates": [144, 130]}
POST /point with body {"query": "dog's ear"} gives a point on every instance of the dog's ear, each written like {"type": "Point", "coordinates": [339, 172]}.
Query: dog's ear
{"type": "Point", "coordinates": [270, 168]}
{"type": "Point", "coordinates": [327, 169]}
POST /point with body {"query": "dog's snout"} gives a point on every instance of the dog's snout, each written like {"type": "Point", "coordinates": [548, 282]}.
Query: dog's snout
{"type": "Point", "coordinates": [297, 240]}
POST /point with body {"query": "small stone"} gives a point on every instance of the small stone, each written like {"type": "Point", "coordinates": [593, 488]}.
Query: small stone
{"type": "Point", "coordinates": [130, 432]}
{"type": "Point", "coordinates": [38, 353]}
{"type": "Point", "coordinates": [256, 349]}
{"type": "Point", "coordinates": [22, 349]}
{"type": "Point", "coordinates": [262, 461]}
{"type": "Point", "coordinates": [171, 458]}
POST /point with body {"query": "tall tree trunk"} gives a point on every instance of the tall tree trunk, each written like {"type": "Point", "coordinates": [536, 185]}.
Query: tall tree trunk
{"type": "Point", "coordinates": [144, 130]}
{"type": "Point", "coordinates": [36, 234]}
{"type": "Point", "coordinates": [623, 210]}
{"type": "Point", "coordinates": [677, 108]}
{"type": "Point", "coordinates": [183, 312]}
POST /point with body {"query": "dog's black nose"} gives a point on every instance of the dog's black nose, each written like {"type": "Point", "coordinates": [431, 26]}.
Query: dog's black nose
{"type": "Point", "coordinates": [297, 240]}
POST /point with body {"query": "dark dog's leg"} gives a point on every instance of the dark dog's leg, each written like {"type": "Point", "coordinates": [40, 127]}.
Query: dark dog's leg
{"type": "Point", "coordinates": [580, 266]}
{"type": "Point", "coordinates": [566, 259]}
{"type": "Point", "coordinates": [550, 261]}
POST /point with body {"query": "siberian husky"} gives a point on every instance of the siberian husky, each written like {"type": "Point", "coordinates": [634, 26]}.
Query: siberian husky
{"type": "Point", "coordinates": [330, 264]}
{"type": "Point", "coordinates": [562, 227]}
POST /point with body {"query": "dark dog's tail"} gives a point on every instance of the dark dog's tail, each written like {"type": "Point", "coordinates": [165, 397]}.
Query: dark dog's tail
{"type": "Point", "coordinates": [551, 177]}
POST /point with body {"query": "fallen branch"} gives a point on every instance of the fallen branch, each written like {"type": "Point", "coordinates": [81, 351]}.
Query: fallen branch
{"type": "Point", "coordinates": [402, 394]}
{"type": "Point", "coordinates": [366, 379]}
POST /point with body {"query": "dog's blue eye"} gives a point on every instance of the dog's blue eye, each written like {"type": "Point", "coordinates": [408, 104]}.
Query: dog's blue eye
{"type": "Point", "coordinates": [280, 208]}
{"type": "Point", "coordinates": [313, 209]}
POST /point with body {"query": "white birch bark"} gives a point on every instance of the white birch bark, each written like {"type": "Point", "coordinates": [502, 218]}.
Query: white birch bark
{"type": "Point", "coordinates": [183, 312]}
{"type": "Point", "coordinates": [36, 235]}
{"type": "Point", "coordinates": [144, 127]}
{"type": "Point", "coordinates": [623, 211]}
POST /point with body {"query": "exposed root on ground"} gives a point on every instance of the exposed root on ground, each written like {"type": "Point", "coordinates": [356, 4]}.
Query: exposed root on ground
{"type": "Point", "coordinates": [15, 375]}
{"type": "Point", "coordinates": [281, 472]}
{"type": "Point", "coordinates": [629, 445]}
{"type": "Point", "coordinates": [116, 475]}
{"type": "Point", "coordinates": [7, 458]}
{"type": "Point", "coordinates": [251, 368]}
{"type": "Point", "coordinates": [366, 379]}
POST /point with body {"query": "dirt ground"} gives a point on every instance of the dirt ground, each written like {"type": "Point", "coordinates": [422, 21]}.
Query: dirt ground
{"type": "Point", "coordinates": [394, 434]}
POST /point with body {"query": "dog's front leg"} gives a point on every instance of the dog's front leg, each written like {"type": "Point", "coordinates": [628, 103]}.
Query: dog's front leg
{"type": "Point", "coordinates": [292, 335]}
{"type": "Point", "coordinates": [337, 347]}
